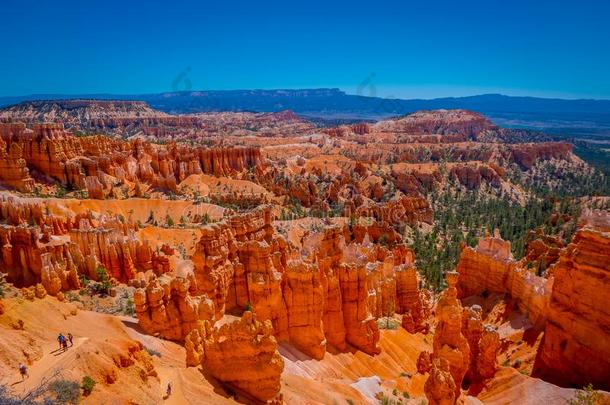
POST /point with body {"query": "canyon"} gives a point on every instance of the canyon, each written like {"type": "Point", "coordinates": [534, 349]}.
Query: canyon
{"type": "Point", "coordinates": [258, 258]}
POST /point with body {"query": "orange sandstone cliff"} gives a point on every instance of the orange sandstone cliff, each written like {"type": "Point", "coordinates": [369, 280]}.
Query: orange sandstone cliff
{"type": "Point", "coordinates": [576, 344]}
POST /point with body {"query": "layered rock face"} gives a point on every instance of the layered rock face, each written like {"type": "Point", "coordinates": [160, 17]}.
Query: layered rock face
{"type": "Point", "coordinates": [98, 163]}
{"type": "Point", "coordinates": [13, 168]}
{"type": "Point", "coordinates": [412, 302]}
{"type": "Point", "coordinates": [438, 122]}
{"type": "Point", "coordinates": [450, 344]}
{"type": "Point", "coordinates": [125, 118]}
{"type": "Point", "coordinates": [440, 387]}
{"type": "Point", "coordinates": [410, 210]}
{"type": "Point", "coordinates": [464, 349]}
{"type": "Point", "coordinates": [304, 296]}
{"type": "Point", "coordinates": [525, 155]}
{"type": "Point", "coordinates": [165, 307]}
{"type": "Point", "coordinates": [116, 248]}
{"type": "Point", "coordinates": [490, 267]}
{"type": "Point", "coordinates": [484, 343]}
{"type": "Point", "coordinates": [242, 354]}
{"type": "Point", "coordinates": [241, 262]}
{"type": "Point", "coordinates": [54, 251]}
{"type": "Point", "coordinates": [331, 294]}
{"type": "Point", "coordinates": [576, 347]}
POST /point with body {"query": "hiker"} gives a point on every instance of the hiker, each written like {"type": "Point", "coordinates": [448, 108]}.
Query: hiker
{"type": "Point", "coordinates": [60, 339]}
{"type": "Point", "coordinates": [23, 370]}
{"type": "Point", "coordinates": [70, 337]}
{"type": "Point", "coordinates": [64, 344]}
{"type": "Point", "coordinates": [169, 389]}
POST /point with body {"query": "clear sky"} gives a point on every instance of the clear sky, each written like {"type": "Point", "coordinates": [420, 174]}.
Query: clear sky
{"type": "Point", "coordinates": [388, 48]}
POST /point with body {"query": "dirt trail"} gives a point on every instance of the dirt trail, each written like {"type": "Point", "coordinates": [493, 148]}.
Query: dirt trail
{"type": "Point", "coordinates": [52, 359]}
{"type": "Point", "coordinates": [166, 375]}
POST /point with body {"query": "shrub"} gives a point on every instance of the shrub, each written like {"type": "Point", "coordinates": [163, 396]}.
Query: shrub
{"type": "Point", "coordinates": [383, 240]}
{"type": "Point", "coordinates": [248, 307]}
{"type": "Point", "coordinates": [61, 191]}
{"type": "Point", "coordinates": [2, 285]}
{"type": "Point", "coordinates": [129, 307]}
{"type": "Point", "coordinates": [103, 284]}
{"type": "Point", "coordinates": [7, 399]}
{"type": "Point", "coordinates": [66, 391]}
{"type": "Point", "coordinates": [169, 221]}
{"type": "Point", "coordinates": [205, 219]}
{"type": "Point", "coordinates": [387, 323]}
{"type": "Point", "coordinates": [87, 384]}
{"type": "Point", "coordinates": [586, 396]}
{"type": "Point", "coordinates": [385, 400]}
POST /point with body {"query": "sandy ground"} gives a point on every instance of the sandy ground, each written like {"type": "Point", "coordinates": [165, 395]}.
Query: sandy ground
{"type": "Point", "coordinates": [53, 360]}
{"type": "Point", "coordinates": [101, 339]}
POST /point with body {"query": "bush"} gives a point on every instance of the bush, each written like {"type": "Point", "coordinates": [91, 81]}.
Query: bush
{"type": "Point", "coordinates": [586, 396]}
{"type": "Point", "coordinates": [7, 399]}
{"type": "Point", "coordinates": [383, 240]}
{"type": "Point", "coordinates": [385, 400]}
{"type": "Point", "coordinates": [2, 285]}
{"type": "Point", "coordinates": [61, 191]}
{"type": "Point", "coordinates": [66, 391]}
{"type": "Point", "coordinates": [248, 307]}
{"type": "Point", "coordinates": [103, 284]}
{"type": "Point", "coordinates": [129, 308]}
{"type": "Point", "coordinates": [87, 384]}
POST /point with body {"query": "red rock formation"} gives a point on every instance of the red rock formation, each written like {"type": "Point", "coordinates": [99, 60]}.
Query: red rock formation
{"type": "Point", "coordinates": [541, 251]}
{"type": "Point", "coordinates": [449, 342]}
{"type": "Point", "coordinates": [38, 247]}
{"type": "Point", "coordinates": [360, 325]}
{"type": "Point", "coordinates": [525, 155]}
{"type": "Point", "coordinates": [361, 129]}
{"type": "Point", "coordinates": [304, 296]}
{"type": "Point", "coordinates": [99, 163]}
{"type": "Point", "coordinates": [399, 211]}
{"type": "Point", "coordinates": [489, 345]}
{"type": "Point", "coordinates": [472, 176]}
{"type": "Point", "coordinates": [484, 343]}
{"type": "Point", "coordinates": [443, 122]}
{"type": "Point", "coordinates": [28, 261]}
{"type": "Point", "coordinates": [242, 354]}
{"type": "Point", "coordinates": [576, 343]}
{"type": "Point", "coordinates": [440, 388]}
{"type": "Point", "coordinates": [166, 308]}
{"type": "Point", "coordinates": [490, 267]}
{"type": "Point", "coordinates": [424, 363]}
{"type": "Point", "coordinates": [13, 168]}
{"type": "Point", "coordinates": [411, 301]}
{"type": "Point", "coordinates": [472, 329]}
{"type": "Point", "coordinates": [241, 262]}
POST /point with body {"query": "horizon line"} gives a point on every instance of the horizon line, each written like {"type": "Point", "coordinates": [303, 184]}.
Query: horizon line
{"type": "Point", "coordinates": [91, 96]}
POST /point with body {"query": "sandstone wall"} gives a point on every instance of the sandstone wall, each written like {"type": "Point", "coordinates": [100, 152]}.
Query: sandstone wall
{"type": "Point", "coordinates": [490, 267]}
{"type": "Point", "coordinates": [97, 163]}
{"type": "Point", "coordinates": [242, 354]}
{"type": "Point", "coordinates": [576, 345]}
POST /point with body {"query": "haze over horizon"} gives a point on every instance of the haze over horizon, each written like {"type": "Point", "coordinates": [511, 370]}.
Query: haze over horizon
{"type": "Point", "coordinates": [547, 49]}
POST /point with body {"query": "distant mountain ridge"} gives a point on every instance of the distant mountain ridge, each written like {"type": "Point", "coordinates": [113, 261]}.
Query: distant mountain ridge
{"type": "Point", "coordinates": [332, 103]}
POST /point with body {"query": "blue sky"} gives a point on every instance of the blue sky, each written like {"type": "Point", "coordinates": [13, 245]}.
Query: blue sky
{"type": "Point", "coordinates": [404, 48]}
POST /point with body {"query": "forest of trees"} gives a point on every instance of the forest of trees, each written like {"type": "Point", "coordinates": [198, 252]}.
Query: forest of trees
{"type": "Point", "coordinates": [465, 216]}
